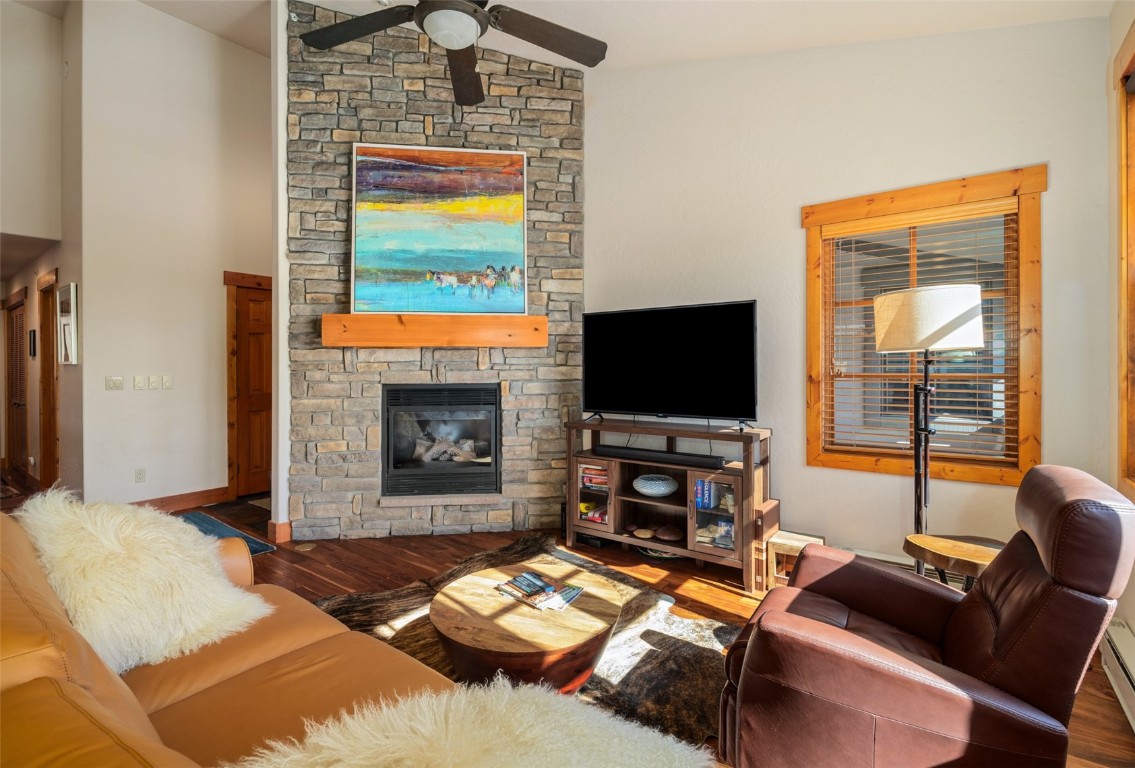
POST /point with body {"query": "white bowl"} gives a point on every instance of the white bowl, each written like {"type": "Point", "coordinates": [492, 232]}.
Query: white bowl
{"type": "Point", "coordinates": [655, 485]}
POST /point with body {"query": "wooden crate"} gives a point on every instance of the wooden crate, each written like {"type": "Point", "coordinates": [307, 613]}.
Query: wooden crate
{"type": "Point", "coordinates": [783, 549]}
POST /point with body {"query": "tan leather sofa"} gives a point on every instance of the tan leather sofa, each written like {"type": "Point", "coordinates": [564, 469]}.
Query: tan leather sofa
{"type": "Point", "coordinates": [61, 706]}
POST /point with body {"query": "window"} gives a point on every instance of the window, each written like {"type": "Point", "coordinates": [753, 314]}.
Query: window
{"type": "Point", "coordinates": [986, 404]}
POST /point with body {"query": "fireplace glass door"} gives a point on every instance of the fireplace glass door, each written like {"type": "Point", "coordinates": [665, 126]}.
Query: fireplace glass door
{"type": "Point", "coordinates": [441, 439]}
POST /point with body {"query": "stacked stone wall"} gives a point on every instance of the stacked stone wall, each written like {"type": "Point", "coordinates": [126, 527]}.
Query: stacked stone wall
{"type": "Point", "coordinates": [394, 89]}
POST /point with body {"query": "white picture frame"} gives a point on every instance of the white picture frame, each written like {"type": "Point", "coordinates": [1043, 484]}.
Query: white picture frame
{"type": "Point", "coordinates": [67, 323]}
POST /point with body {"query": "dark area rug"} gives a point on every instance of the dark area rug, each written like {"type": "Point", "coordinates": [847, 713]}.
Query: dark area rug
{"type": "Point", "coordinates": [659, 669]}
{"type": "Point", "coordinates": [214, 527]}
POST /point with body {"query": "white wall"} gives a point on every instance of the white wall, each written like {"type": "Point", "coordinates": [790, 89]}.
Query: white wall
{"type": "Point", "coordinates": [41, 170]}
{"type": "Point", "coordinates": [697, 173]}
{"type": "Point", "coordinates": [68, 255]}
{"type": "Point", "coordinates": [281, 308]}
{"type": "Point", "coordinates": [31, 81]}
{"type": "Point", "coordinates": [177, 188]}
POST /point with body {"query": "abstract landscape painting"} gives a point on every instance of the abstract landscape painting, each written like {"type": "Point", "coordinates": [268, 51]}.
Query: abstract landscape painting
{"type": "Point", "coordinates": [438, 230]}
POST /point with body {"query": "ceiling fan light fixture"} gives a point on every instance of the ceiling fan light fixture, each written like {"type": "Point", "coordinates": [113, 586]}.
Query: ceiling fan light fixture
{"type": "Point", "coordinates": [451, 29]}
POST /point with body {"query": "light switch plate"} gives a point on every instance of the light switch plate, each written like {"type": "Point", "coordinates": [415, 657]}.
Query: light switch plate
{"type": "Point", "coordinates": [155, 381]}
{"type": "Point", "coordinates": [114, 382]}
{"type": "Point", "coordinates": [139, 382]}
{"type": "Point", "coordinates": [167, 381]}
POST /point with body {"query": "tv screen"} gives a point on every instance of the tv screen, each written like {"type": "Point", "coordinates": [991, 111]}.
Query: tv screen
{"type": "Point", "coordinates": [697, 361]}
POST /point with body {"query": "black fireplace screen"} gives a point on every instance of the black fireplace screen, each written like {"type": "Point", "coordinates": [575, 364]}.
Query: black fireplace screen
{"type": "Point", "coordinates": [440, 439]}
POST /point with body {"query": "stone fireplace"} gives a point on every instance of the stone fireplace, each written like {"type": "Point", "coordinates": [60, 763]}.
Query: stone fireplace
{"type": "Point", "coordinates": [393, 88]}
{"type": "Point", "coordinates": [440, 439]}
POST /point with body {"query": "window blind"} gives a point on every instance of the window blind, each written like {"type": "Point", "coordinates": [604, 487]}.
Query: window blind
{"type": "Point", "coordinates": [868, 397]}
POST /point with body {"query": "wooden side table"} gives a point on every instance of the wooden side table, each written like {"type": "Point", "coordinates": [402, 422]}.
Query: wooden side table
{"type": "Point", "coordinates": [484, 631]}
{"type": "Point", "coordinates": [967, 556]}
{"type": "Point", "coordinates": [783, 549]}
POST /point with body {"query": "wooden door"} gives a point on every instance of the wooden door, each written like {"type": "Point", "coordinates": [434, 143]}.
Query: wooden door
{"type": "Point", "coordinates": [48, 383]}
{"type": "Point", "coordinates": [250, 384]}
{"type": "Point", "coordinates": [16, 439]}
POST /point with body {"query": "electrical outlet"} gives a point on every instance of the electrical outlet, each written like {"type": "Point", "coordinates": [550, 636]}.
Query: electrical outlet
{"type": "Point", "coordinates": [167, 381]}
{"type": "Point", "coordinates": [114, 382]}
{"type": "Point", "coordinates": [139, 475]}
{"type": "Point", "coordinates": [139, 382]}
{"type": "Point", "coordinates": [155, 381]}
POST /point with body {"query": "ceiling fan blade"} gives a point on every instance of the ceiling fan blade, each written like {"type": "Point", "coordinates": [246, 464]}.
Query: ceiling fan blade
{"type": "Point", "coordinates": [566, 42]}
{"type": "Point", "coordinates": [467, 88]}
{"type": "Point", "coordinates": [360, 26]}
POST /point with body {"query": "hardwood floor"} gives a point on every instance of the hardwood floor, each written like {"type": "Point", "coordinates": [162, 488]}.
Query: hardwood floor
{"type": "Point", "coordinates": [1100, 733]}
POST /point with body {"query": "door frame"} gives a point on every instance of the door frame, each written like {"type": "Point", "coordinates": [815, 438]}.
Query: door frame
{"type": "Point", "coordinates": [48, 380]}
{"type": "Point", "coordinates": [1123, 71]}
{"type": "Point", "coordinates": [233, 281]}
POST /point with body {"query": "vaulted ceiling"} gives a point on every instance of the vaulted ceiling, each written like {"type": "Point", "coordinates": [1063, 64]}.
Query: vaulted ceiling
{"type": "Point", "coordinates": [651, 32]}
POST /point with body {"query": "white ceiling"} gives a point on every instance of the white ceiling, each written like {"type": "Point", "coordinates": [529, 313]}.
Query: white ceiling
{"type": "Point", "coordinates": [247, 23]}
{"type": "Point", "coordinates": [651, 32]}
{"type": "Point", "coordinates": [643, 33]}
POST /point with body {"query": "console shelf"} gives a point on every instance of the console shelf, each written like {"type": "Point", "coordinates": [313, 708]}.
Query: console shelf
{"type": "Point", "coordinates": [723, 515]}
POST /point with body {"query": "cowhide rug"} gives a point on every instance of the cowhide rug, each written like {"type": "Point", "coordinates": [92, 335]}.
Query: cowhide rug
{"type": "Point", "coordinates": [659, 669]}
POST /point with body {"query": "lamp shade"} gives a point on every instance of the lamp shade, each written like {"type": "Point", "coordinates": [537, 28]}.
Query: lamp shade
{"type": "Point", "coordinates": [932, 317]}
{"type": "Point", "coordinates": [451, 29]}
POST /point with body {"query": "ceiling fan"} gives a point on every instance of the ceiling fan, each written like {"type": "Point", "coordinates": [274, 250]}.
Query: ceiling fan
{"type": "Point", "coordinates": [456, 25]}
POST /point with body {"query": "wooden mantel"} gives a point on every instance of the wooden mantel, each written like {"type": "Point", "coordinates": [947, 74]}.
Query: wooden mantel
{"type": "Point", "coordinates": [413, 330]}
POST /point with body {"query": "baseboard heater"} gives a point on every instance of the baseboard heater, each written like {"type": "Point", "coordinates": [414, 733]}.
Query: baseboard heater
{"type": "Point", "coordinates": [660, 457]}
{"type": "Point", "coordinates": [1117, 652]}
{"type": "Point", "coordinates": [907, 564]}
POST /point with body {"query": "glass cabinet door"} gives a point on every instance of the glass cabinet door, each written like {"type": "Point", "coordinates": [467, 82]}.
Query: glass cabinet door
{"type": "Point", "coordinates": [714, 526]}
{"type": "Point", "coordinates": [592, 497]}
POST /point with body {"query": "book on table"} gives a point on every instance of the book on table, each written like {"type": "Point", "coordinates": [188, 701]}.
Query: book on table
{"type": "Point", "coordinates": [540, 591]}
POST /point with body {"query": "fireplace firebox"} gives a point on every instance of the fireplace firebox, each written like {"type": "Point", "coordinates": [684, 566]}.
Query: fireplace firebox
{"type": "Point", "coordinates": [440, 439]}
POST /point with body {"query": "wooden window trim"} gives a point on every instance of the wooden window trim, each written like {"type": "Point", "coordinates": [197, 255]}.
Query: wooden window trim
{"type": "Point", "coordinates": [917, 203]}
{"type": "Point", "coordinates": [1126, 322]}
{"type": "Point", "coordinates": [1123, 67]}
{"type": "Point", "coordinates": [990, 186]}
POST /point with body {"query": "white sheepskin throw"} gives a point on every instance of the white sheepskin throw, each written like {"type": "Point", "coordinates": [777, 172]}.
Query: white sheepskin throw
{"type": "Point", "coordinates": [491, 726]}
{"type": "Point", "coordinates": [140, 585]}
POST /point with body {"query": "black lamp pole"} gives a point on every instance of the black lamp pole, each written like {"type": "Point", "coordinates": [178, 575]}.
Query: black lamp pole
{"type": "Point", "coordinates": [922, 433]}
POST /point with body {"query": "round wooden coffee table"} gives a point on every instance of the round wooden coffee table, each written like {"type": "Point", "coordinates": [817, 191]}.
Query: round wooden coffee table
{"type": "Point", "coordinates": [484, 631]}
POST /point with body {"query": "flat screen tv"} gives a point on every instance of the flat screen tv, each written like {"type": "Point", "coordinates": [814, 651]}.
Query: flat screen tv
{"type": "Point", "coordinates": [697, 361]}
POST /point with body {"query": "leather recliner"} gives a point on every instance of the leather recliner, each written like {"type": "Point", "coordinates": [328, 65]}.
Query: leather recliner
{"type": "Point", "coordinates": [856, 663]}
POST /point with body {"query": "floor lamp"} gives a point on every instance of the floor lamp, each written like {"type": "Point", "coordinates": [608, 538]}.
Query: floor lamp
{"type": "Point", "coordinates": [928, 319]}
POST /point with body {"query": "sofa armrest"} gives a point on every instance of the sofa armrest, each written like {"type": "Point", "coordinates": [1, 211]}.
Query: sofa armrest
{"type": "Point", "coordinates": [899, 598]}
{"type": "Point", "coordinates": [236, 559]}
{"type": "Point", "coordinates": [831, 665]}
{"type": "Point", "coordinates": [53, 723]}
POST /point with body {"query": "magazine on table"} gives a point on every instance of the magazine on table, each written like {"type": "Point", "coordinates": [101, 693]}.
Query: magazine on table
{"type": "Point", "coordinates": [540, 591]}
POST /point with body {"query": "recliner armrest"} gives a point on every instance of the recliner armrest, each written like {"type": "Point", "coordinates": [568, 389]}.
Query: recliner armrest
{"type": "Point", "coordinates": [236, 559]}
{"type": "Point", "coordinates": [899, 598]}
